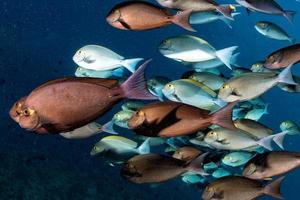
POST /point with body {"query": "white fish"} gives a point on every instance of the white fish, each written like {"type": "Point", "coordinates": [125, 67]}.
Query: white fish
{"type": "Point", "coordinates": [82, 72]}
{"type": "Point", "coordinates": [225, 139]}
{"type": "Point", "coordinates": [120, 145]}
{"type": "Point", "coordinates": [86, 131]}
{"type": "Point", "coordinates": [100, 58]}
{"type": "Point", "coordinates": [191, 49]}
{"type": "Point", "coordinates": [251, 85]}
{"type": "Point", "coordinates": [272, 31]}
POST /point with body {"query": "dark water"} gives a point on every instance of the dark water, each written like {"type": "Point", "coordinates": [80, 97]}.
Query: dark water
{"type": "Point", "coordinates": [37, 42]}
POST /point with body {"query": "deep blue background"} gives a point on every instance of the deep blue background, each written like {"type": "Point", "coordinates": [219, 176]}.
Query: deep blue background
{"type": "Point", "coordinates": [37, 42]}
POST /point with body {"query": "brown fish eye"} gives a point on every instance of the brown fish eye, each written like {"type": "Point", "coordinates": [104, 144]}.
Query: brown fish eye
{"type": "Point", "coordinates": [26, 112]}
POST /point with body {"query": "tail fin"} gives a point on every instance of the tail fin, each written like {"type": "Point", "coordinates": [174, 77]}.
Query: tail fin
{"type": "Point", "coordinates": [273, 189]}
{"type": "Point", "coordinates": [279, 138]}
{"type": "Point", "coordinates": [145, 147]}
{"type": "Point", "coordinates": [197, 165]}
{"type": "Point", "coordinates": [136, 87]}
{"type": "Point", "coordinates": [286, 76]}
{"type": "Point", "coordinates": [223, 117]}
{"type": "Point", "coordinates": [225, 55]}
{"type": "Point", "coordinates": [182, 19]}
{"type": "Point", "coordinates": [226, 10]}
{"type": "Point", "coordinates": [289, 15]}
{"type": "Point", "coordinates": [227, 21]}
{"type": "Point", "coordinates": [131, 64]}
{"type": "Point", "coordinates": [109, 128]}
{"type": "Point", "coordinates": [266, 109]}
{"type": "Point", "coordinates": [266, 142]}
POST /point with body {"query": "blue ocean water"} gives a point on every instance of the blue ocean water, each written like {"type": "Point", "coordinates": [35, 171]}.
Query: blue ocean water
{"type": "Point", "coordinates": [37, 42]}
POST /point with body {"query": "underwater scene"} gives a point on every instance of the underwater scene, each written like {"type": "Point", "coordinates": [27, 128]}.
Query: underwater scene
{"type": "Point", "coordinates": [149, 100]}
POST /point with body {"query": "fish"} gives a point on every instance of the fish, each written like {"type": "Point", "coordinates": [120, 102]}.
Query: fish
{"type": "Point", "coordinates": [221, 172]}
{"type": "Point", "coordinates": [211, 80]}
{"type": "Point", "coordinates": [191, 49]}
{"type": "Point", "coordinates": [171, 119]}
{"type": "Point", "coordinates": [251, 85]}
{"type": "Point", "coordinates": [100, 58]}
{"type": "Point", "coordinates": [118, 148]}
{"type": "Point", "coordinates": [132, 105]}
{"type": "Point", "coordinates": [193, 179]}
{"type": "Point", "coordinates": [192, 93]}
{"type": "Point", "coordinates": [119, 119]}
{"type": "Point", "coordinates": [65, 104]}
{"type": "Point", "coordinates": [156, 168]}
{"type": "Point", "coordinates": [156, 84]}
{"type": "Point", "coordinates": [253, 128]}
{"type": "Point", "coordinates": [284, 57]}
{"type": "Point", "coordinates": [86, 131]}
{"type": "Point", "coordinates": [204, 17]}
{"type": "Point", "coordinates": [290, 126]}
{"type": "Point", "coordinates": [198, 5]}
{"type": "Point", "coordinates": [237, 159]}
{"type": "Point", "coordinates": [235, 187]}
{"type": "Point", "coordinates": [256, 114]}
{"type": "Point", "coordinates": [210, 166]}
{"type": "Point", "coordinates": [141, 15]}
{"type": "Point", "coordinates": [270, 164]}
{"type": "Point", "coordinates": [270, 7]}
{"type": "Point", "coordinates": [259, 67]}
{"type": "Point", "coordinates": [224, 139]}
{"type": "Point", "coordinates": [239, 71]}
{"type": "Point", "coordinates": [82, 72]}
{"type": "Point", "coordinates": [186, 153]}
{"type": "Point", "coordinates": [273, 31]}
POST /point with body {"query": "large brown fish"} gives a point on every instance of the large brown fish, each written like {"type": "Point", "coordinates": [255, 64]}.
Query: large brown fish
{"type": "Point", "coordinates": [198, 5]}
{"type": "Point", "coordinates": [65, 104]}
{"type": "Point", "coordinates": [240, 188]}
{"type": "Point", "coordinates": [267, 165]}
{"type": "Point", "coordinates": [141, 15]}
{"type": "Point", "coordinates": [155, 168]}
{"type": "Point", "coordinates": [171, 119]}
{"type": "Point", "coordinates": [283, 57]}
{"type": "Point", "coordinates": [186, 153]}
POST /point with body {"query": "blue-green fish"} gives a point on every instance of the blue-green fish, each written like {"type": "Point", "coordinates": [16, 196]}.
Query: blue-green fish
{"type": "Point", "coordinates": [236, 159]}
{"type": "Point", "coordinates": [259, 67]}
{"type": "Point", "coordinates": [156, 84]}
{"type": "Point", "coordinates": [256, 114]}
{"type": "Point", "coordinates": [193, 178]}
{"type": "Point", "coordinates": [290, 126]}
{"type": "Point", "coordinates": [120, 119]}
{"type": "Point", "coordinates": [221, 172]}
{"type": "Point", "coordinates": [192, 93]}
{"type": "Point", "coordinates": [239, 71]}
{"type": "Point", "coordinates": [204, 17]}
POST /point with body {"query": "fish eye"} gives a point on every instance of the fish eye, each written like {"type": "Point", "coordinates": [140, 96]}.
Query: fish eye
{"type": "Point", "coordinates": [225, 86]}
{"type": "Point", "coordinates": [79, 52]}
{"type": "Point", "coordinates": [28, 112]}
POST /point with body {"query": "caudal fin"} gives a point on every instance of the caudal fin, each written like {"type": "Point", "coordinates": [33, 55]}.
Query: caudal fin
{"type": "Point", "coordinates": [289, 15]}
{"type": "Point", "coordinates": [279, 138]}
{"type": "Point", "coordinates": [286, 76]}
{"type": "Point", "coordinates": [131, 64]}
{"type": "Point", "coordinates": [273, 189]}
{"type": "Point", "coordinates": [182, 19]}
{"type": "Point", "coordinates": [225, 55]}
{"type": "Point", "coordinates": [223, 117]}
{"type": "Point", "coordinates": [197, 165]}
{"type": "Point", "coordinates": [109, 128]}
{"type": "Point", "coordinates": [266, 142]}
{"type": "Point", "coordinates": [145, 147]}
{"type": "Point", "coordinates": [226, 10]}
{"type": "Point", "coordinates": [136, 85]}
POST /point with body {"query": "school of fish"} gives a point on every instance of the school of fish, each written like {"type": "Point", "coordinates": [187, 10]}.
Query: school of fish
{"type": "Point", "coordinates": [206, 122]}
